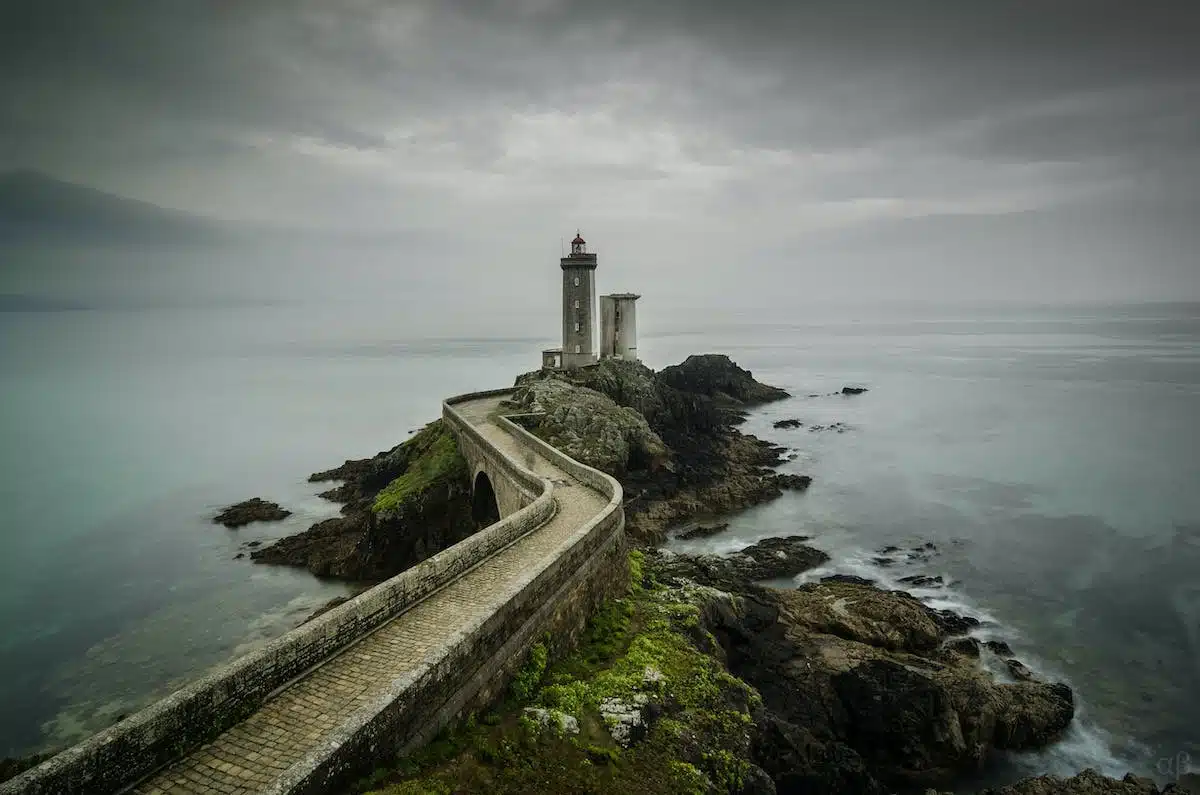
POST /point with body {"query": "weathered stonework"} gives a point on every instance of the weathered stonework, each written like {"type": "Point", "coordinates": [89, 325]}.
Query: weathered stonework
{"type": "Point", "coordinates": [335, 696]}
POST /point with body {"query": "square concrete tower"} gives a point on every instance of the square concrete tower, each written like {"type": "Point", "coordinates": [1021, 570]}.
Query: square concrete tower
{"type": "Point", "coordinates": [579, 305]}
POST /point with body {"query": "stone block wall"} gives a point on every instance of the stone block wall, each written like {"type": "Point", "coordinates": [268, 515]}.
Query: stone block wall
{"type": "Point", "coordinates": [515, 487]}
{"type": "Point", "coordinates": [472, 672]}
{"type": "Point", "coordinates": [137, 746]}
{"type": "Point", "coordinates": [557, 597]}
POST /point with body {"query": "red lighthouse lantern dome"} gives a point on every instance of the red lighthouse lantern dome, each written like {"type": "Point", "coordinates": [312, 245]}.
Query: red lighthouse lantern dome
{"type": "Point", "coordinates": [578, 245]}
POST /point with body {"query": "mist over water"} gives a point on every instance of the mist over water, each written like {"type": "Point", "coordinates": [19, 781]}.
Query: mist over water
{"type": "Point", "coordinates": [1048, 452]}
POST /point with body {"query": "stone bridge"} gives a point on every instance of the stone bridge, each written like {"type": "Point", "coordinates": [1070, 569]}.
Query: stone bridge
{"type": "Point", "coordinates": [382, 673]}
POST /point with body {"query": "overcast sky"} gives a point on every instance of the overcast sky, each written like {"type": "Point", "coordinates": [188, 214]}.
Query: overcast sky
{"type": "Point", "coordinates": [894, 148]}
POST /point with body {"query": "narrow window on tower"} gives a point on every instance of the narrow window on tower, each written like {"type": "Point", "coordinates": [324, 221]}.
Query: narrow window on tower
{"type": "Point", "coordinates": [576, 303]}
{"type": "Point", "coordinates": [577, 349]}
{"type": "Point", "coordinates": [577, 326]}
{"type": "Point", "coordinates": [576, 281]}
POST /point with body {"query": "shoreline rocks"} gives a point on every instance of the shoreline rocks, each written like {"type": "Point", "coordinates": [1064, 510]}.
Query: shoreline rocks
{"type": "Point", "coordinates": [878, 689]}
{"type": "Point", "coordinates": [702, 531]}
{"type": "Point", "coordinates": [254, 509]}
{"type": "Point", "coordinates": [770, 559]}
{"type": "Point", "coordinates": [404, 505]}
{"type": "Point", "coordinates": [687, 460]}
{"type": "Point", "coordinates": [1089, 782]}
{"type": "Point", "coordinates": [863, 690]}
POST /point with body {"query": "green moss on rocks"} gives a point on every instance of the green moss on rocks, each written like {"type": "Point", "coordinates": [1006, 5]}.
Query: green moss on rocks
{"type": "Point", "coordinates": [654, 713]}
{"type": "Point", "coordinates": [434, 458]}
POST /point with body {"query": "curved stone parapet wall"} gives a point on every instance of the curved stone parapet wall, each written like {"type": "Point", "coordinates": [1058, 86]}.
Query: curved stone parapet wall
{"type": "Point", "coordinates": [589, 476]}
{"type": "Point", "coordinates": [137, 746]}
{"type": "Point", "coordinates": [518, 487]}
{"type": "Point", "coordinates": [557, 596]}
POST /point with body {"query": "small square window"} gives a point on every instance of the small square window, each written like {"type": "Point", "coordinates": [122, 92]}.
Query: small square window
{"type": "Point", "coordinates": [577, 349]}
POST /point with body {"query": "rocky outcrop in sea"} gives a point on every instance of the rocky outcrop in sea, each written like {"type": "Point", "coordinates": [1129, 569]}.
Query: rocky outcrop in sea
{"type": "Point", "coordinates": [255, 509]}
{"type": "Point", "coordinates": [687, 460]}
{"type": "Point", "coordinates": [401, 506]}
{"type": "Point", "coordinates": [703, 678]}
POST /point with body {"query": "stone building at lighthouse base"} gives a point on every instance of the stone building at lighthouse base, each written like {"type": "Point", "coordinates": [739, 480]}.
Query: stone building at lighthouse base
{"type": "Point", "coordinates": [618, 316]}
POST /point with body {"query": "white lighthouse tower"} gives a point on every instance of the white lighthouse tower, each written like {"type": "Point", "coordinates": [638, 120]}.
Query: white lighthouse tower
{"type": "Point", "coordinates": [579, 305]}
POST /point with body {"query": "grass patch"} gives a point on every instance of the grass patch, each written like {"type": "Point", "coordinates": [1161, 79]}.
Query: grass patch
{"type": "Point", "coordinates": [635, 645]}
{"type": "Point", "coordinates": [433, 457]}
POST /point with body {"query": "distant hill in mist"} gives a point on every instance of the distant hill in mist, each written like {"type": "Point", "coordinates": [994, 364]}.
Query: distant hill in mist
{"type": "Point", "coordinates": [36, 208]}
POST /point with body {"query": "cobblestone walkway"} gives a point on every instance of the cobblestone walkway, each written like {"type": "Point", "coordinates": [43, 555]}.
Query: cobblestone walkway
{"type": "Point", "coordinates": [250, 755]}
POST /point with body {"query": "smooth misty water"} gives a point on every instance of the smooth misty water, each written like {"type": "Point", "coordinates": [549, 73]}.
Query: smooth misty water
{"type": "Point", "coordinates": [1053, 455]}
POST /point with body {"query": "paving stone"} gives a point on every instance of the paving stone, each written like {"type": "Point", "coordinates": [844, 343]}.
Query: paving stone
{"type": "Point", "coordinates": [253, 753]}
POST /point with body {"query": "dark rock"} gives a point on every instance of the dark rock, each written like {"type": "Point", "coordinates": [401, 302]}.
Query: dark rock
{"type": "Point", "coordinates": [891, 620]}
{"type": "Point", "coordinates": [1188, 783]}
{"type": "Point", "coordinates": [899, 717]}
{"type": "Point", "coordinates": [375, 538]}
{"type": "Point", "coordinates": [591, 427]}
{"type": "Point", "coordinates": [770, 559]}
{"type": "Point", "coordinates": [788, 424]}
{"type": "Point", "coordinates": [347, 492]}
{"type": "Point", "coordinates": [839, 427]}
{"type": "Point", "coordinates": [788, 482]}
{"type": "Point", "coordinates": [853, 579]}
{"type": "Point", "coordinates": [254, 544]}
{"type": "Point", "coordinates": [735, 416]}
{"type": "Point", "coordinates": [922, 728]}
{"type": "Point", "coordinates": [858, 685]}
{"type": "Point", "coordinates": [889, 550]}
{"type": "Point", "coordinates": [711, 467]}
{"type": "Point", "coordinates": [954, 624]}
{"type": "Point", "coordinates": [252, 510]}
{"type": "Point", "coordinates": [702, 531]}
{"type": "Point", "coordinates": [716, 376]}
{"type": "Point", "coordinates": [239, 556]}
{"type": "Point", "coordinates": [922, 581]}
{"type": "Point", "coordinates": [853, 390]}
{"type": "Point", "coordinates": [967, 646]}
{"type": "Point", "coordinates": [1088, 782]}
{"type": "Point", "coordinates": [1018, 670]}
{"type": "Point", "coordinates": [800, 762]}
{"type": "Point", "coordinates": [999, 648]}
{"type": "Point", "coordinates": [773, 558]}
{"type": "Point", "coordinates": [882, 562]}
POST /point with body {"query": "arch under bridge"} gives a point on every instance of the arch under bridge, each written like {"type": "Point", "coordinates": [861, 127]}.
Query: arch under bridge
{"type": "Point", "coordinates": [384, 672]}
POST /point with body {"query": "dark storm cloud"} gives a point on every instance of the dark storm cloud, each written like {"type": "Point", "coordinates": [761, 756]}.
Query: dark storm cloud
{"type": "Point", "coordinates": [732, 120]}
{"type": "Point", "coordinates": [838, 73]}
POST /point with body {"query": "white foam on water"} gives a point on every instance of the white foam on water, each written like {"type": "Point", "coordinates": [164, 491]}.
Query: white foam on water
{"type": "Point", "coordinates": [1083, 745]}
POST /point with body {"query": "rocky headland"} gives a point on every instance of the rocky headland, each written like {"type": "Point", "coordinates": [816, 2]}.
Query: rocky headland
{"type": "Point", "coordinates": [669, 437]}
{"type": "Point", "coordinates": [702, 678]}
{"type": "Point", "coordinates": [399, 507]}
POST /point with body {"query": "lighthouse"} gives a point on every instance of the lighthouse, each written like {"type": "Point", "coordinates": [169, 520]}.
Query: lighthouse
{"type": "Point", "coordinates": [579, 305]}
{"type": "Point", "coordinates": [618, 318]}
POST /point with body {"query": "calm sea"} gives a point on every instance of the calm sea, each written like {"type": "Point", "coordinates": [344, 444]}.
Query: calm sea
{"type": "Point", "coordinates": [1051, 454]}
